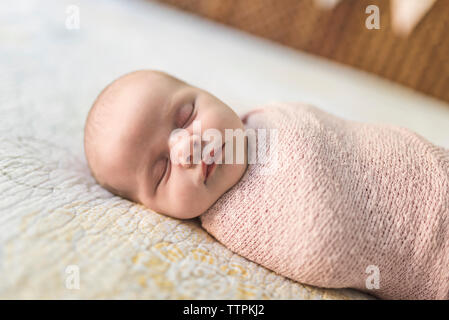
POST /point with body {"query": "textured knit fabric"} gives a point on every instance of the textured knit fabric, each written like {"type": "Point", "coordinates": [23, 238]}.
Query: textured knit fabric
{"type": "Point", "coordinates": [346, 198]}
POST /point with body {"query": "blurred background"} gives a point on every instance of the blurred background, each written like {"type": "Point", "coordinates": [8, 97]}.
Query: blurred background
{"type": "Point", "coordinates": [247, 53]}
{"type": "Point", "coordinates": [411, 47]}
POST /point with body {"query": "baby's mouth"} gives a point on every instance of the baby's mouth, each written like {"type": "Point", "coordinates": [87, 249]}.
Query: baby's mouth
{"type": "Point", "coordinates": [208, 169]}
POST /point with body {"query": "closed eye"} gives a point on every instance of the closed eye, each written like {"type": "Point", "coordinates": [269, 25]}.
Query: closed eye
{"type": "Point", "coordinates": [190, 117]}
{"type": "Point", "coordinates": [163, 173]}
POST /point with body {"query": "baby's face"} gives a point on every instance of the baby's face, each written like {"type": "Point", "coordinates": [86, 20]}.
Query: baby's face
{"type": "Point", "coordinates": [136, 152]}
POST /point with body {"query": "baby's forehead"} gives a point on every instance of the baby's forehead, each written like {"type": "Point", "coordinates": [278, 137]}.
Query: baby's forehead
{"type": "Point", "coordinates": [149, 90]}
{"type": "Point", "coordinates": [138, 103]}
{"type": "Point", "coordinates": [151, 78]}
{"type": "Point", "coordinates": [138, 108]}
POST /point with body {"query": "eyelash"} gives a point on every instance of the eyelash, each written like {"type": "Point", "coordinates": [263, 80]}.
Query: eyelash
{"type": "Point", "coordinates": [163, 174]}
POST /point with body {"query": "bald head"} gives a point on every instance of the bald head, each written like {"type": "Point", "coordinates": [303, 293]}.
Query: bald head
{"type": "Point", "coordinates": [108, 120]}
{"type": "Point", "coordinates": [130, 152]}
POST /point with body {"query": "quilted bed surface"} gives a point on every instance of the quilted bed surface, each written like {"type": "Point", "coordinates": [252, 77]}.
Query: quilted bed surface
{"type": "Point", "coordinates": [54, 218]}
{"type": "Point", "coordinates": [56, 223]}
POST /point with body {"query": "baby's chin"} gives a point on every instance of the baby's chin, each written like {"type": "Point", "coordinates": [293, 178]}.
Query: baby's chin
{"type": "Point", "coordinates": [187, 213]}
{"type": "Point", "coordinates": [237, 174]}
{"type": "Point", "coordinates": [193, 209]}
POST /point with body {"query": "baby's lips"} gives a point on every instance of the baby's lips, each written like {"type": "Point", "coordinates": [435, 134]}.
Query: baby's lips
{"type": "Point", "coordinates": [203, 171]}
{"type": "Point", "coordinates": [209, 158]}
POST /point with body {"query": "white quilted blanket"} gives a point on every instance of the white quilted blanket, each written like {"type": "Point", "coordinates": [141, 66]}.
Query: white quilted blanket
{"type": "Point", "coordinates": [61, 235]}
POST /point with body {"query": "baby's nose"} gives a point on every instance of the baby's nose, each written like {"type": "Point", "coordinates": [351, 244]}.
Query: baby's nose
{"type": "Point", "coordinates": [185, 149]}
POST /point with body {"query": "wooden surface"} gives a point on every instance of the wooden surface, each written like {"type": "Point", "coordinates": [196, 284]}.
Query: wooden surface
{"type": "Point", "coordinates": [419, 61]}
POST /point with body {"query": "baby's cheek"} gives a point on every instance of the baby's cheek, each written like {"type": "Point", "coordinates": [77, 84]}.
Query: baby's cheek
{"type": "Point", "coordinates": [186, 197]}
{"type": "Point", "coordinates": [183, 194]}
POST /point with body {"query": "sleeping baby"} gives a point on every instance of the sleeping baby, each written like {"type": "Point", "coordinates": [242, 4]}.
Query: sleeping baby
{"type": "Point", "coordinates": [318, 199]}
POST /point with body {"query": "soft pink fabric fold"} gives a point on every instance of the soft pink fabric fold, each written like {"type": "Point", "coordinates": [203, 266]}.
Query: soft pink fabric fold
{"type": "Point", "coordinates": [345, 196]}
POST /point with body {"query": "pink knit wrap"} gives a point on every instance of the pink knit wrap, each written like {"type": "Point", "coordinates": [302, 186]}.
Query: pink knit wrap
{"type": "Point", "coordinates": [346, 197]}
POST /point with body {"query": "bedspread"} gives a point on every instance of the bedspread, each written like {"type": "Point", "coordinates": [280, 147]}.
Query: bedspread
{"type": "Point", "coordinates": [61, 235]}
{"type": "Point", "coordinates": [57, 224]}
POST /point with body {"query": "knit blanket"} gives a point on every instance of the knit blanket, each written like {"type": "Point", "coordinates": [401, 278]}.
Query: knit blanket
{"type": "Point", "coordinates": [341, 204]}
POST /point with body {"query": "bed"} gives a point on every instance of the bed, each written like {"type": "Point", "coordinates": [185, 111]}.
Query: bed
{"type": "Point", "coordinates": [62, 236]}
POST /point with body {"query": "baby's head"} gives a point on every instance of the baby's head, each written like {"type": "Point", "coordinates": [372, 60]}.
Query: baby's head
{"type": "Point", "coordinates": [132, 151]}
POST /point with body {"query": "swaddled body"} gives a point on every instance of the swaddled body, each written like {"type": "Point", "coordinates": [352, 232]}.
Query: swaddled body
{"type": "Point", "coordinates": [346, 198]}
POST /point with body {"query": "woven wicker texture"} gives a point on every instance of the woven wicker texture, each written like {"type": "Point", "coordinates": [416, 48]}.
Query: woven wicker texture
{"type": "Point", "coordinates": [419, 61]}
